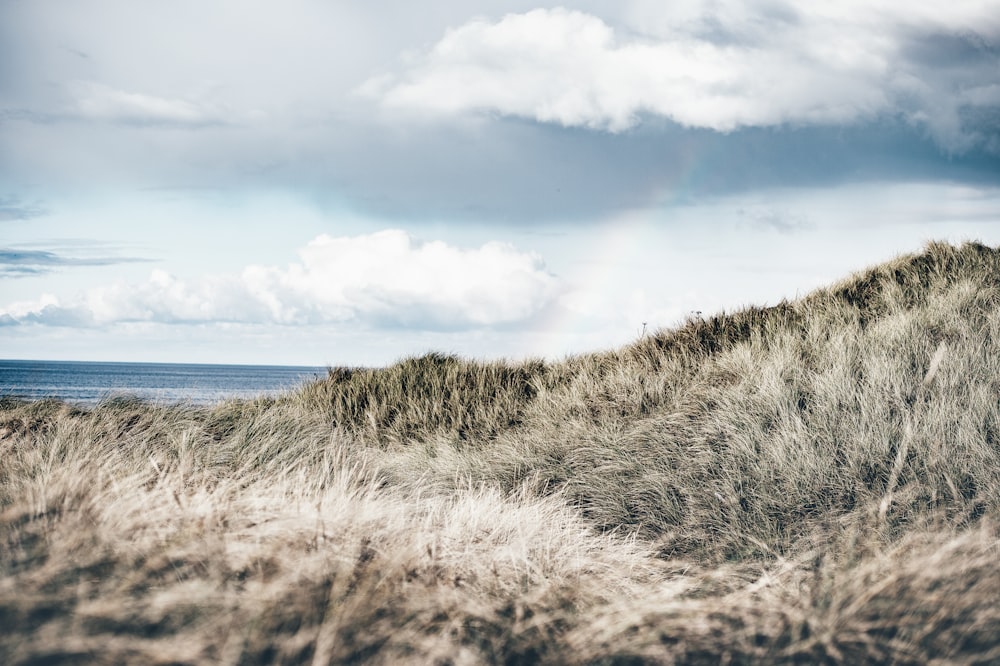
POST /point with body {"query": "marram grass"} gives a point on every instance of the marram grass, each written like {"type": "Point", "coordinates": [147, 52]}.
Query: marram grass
{"type": "Point", "coordinates": [815, 482]}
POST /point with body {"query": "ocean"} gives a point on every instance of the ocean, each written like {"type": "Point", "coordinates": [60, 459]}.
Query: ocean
{"type": "Point", "coordinates": [88, 383]}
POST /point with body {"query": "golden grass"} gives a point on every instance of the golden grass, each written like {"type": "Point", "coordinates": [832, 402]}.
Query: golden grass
{"type": "Point", "coordinates": [816, 482]}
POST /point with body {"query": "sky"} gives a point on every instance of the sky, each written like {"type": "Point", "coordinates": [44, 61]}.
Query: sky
{"type": "Point", "coordinates": [317, 182]}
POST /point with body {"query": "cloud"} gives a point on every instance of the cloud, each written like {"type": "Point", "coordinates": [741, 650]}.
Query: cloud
{"type": "Point", "coordinates": [96, 101]}
{"type": "Point", "coordinates": [23, 263]}
{"type": "Point", "coordinates": [720, 66]}
{"type": "Point", "coordinates": [767, 217]}
{"type": "Point", "coordinates": [279, 93]}
{"type": "Point", "coordinates": [385, 279]}
{"type": "Point", "coordinates": [11, 208]}
{"type": "Point", "coordinates": [46, 311]}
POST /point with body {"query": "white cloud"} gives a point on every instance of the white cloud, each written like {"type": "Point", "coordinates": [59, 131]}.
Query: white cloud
{"type": "Point", "coordinates": [100, 102]}
{"type": "Point", "coordinates": [720, 65]}
{"type": "Point", "coordinates": [384, 279]}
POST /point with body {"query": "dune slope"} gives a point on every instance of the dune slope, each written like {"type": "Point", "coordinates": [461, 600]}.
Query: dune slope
{"type": "Point", "coordinates": [817, 481]}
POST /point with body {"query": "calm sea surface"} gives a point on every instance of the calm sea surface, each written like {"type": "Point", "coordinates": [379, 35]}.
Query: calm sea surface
{"type": "Point", "coordinates": [89, 383]}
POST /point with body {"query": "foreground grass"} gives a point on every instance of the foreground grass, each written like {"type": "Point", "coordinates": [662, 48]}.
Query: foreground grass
{"type": "Point", "coordinates": [817, 482]}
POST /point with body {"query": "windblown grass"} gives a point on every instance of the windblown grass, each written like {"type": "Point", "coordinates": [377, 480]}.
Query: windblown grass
{"type": "Point", "coordinates": [815, 482]}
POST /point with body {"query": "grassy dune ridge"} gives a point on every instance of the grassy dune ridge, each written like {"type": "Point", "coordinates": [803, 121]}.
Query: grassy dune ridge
{"type": "Point", "coordinates": [815, 482]}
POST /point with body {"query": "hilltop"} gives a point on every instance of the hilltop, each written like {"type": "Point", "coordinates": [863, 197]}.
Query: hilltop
{"type": "Point", "coordinates": [817, 481]}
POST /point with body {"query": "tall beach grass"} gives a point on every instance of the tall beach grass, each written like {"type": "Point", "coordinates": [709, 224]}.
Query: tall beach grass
{"type": "Point", "coordinates": [813, 482]}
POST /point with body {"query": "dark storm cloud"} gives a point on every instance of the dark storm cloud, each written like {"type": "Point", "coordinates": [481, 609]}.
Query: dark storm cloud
{"type": "Point", "coordinates": [940, 50]}
{"type": "Point", "coordinates": [522, 172]}
{"type": "Point", "coordinates": [517, 172]}
{"type": "Point", "coordinates": [964, 69]}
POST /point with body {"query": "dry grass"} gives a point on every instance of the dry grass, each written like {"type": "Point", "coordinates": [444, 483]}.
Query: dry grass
{"type": "Point", "coordinates": [817, 482]}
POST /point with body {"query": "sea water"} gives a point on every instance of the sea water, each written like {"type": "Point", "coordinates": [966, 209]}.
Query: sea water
{"type": "Point", "coordinates": [88, 383]}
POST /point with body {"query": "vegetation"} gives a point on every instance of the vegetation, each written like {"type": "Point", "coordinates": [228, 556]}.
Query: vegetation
{"type": "Point", "coordinates": [815, 482]}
